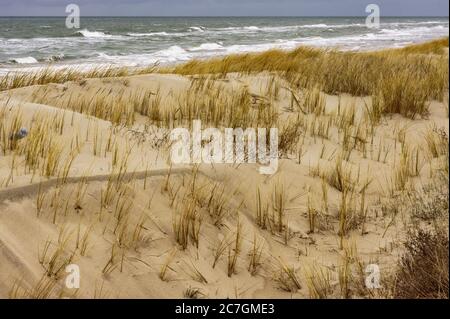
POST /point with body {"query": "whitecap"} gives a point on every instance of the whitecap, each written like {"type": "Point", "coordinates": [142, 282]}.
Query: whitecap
{"type": "Point", "coordinates": [56, 57]}
{"type": "Point", "coordinates": [320, 25]}
{"type": "Point", "coordinates": [26, 60]}
{"type": "Point", "coordinates": [173, 51]}
{"type": "Point", "coordinates": [207, 47]}
{"type": "Point", "coordinates": [198, 29]}
{"type": "Point", "coordinates": [149, 34]}
{"type": "Point", "coordinates": [93, 34]}
{"type": "Point", "coordinates": [104, 56]}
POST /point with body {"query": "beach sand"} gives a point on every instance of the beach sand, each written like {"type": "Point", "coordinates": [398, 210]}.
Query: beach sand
{"type": "Point", "coordinates": [112, 202]}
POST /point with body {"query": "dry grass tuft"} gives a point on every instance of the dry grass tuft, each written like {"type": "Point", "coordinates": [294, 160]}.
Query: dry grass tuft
{"type": "Point", "coordinates": [44, 289]}
{"type": "Point", "coordinates": [319, 281]}
{"type": "Point", "coordinates": [400, 81]}
{"type": "Point", "coordinates": [286, 277]}
{"type": "Point", "coordinates": [423, 269]}
{"type": "Point", "coordinates": [186, 225]}
{"type": "Point", "coordinates": [233, 253]}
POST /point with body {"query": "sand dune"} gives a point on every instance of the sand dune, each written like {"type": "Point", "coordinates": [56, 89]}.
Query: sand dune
{"type": "Point", "coordinates": [92, 185]}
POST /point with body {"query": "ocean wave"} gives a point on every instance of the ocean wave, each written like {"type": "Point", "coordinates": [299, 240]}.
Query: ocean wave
{"type": "Point", "coordinates": [416, 30]}
{"type": "Point", "coordinates": [26, 60]}
{"type": "Point", "coordinates": [320, 25]}
{"type": "Point", "coordinates": [56, 57]}
{"type": "Point", "coordinates": [93, 34]}
{"type": "Point", "coordinates": [285, 28]}
{"type": "Point", "coordinates": [149, 34]}
{"type": "Point", "coordinates": [378, 39]}
{"type": "Point", "coordinates": [408, 35]}
{"type": "Point", "coordinates": [172, 51]}
{"type": "Point", "coordinates": [252, 28]}
{"type": "Point", "coordinates": [332, 26]}
{"type": "Point", "coordinates": [158, 34]}
{"type": "Point", "coordinates": [178, 44]}
{"type": "Point", "coordinates": [198, 29]}
{"type": "Point", "coordinates": [242, 28]}
{"type": "Point", "coordinates": [207, 47]}
{"type": "Point", "coordinates": [279, 29]}
{"type": "Point", "coordinates": [416, 23]}
{"type": "Point", "coordinates": [103, 55]}
{"type": "Point", "coordinates": [170, 55]}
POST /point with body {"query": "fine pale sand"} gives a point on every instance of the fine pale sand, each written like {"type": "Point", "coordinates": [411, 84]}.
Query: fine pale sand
{"type": "Point", "coordinates": [113, 204]}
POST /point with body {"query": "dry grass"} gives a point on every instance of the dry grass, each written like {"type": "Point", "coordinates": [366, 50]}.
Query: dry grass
{"type": "Point", "coordinates": [345, 277]}
{"type": "Point", "coordinates": [118, 107]}
{"type": "Point", "coordinates": [233, 108]}
{"type": "Point", "coordinates": [432, 47]}
{"type": "Point", "coordinates": [319, 281]}
{"type": "Point", "coordinates": [165, 267]}
{"type": "Point", "coordinates": [220, 249]}
{"type": "Point", "coordinates": [112, 262]}
{"type": "Point", "coordinates": [430, 202]}
{"type": "Point", "coordinates": [314, 101]}
{"type": "Point", "coordinates": [45, 288]}
{"type": "Point", "coordinates": [187, 224]}
{"type": "Point", "coordinates": [42, 151]}
{"type": "Point", "coordinates": [286, 277]}
{"type": "Point", "coordinates": [403, 94]}
{"type": "Point", "coordinates": [409, 165]}
{"type": "Point", "coordinates": [279, 205]}
{"type": "Point", "coordinates": [233, 253]}
{"type": "Point", "coordinates": [55, 257]}
{"type": "Point", "coordinates": [9, 129]}
{"type": "Point", "coordinates": [262, 211]}
{"type": "Point", "coordinates": [423, 270]}
{"type": "Point", "coordinates": [255, 255]}
{"type": "Point", "coordinates": [289, 137]}
{"type": "Point", "coordinates": [340, 176]}
{"type": "Point", "coordinates": [383, 74]}
{"type": "Point", "coordinates": [436, 141]}
{"type": "Point", "coordinates": [50, 74]}
{"type": "Point", "coordinates": [193, 293]}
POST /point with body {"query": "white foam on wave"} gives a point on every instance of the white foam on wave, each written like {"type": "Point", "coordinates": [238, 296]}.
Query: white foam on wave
{"type": "Point", "coordinates": [149, 34]}
{"type": "Point", "coordinates": [389, 36]}
{"type": "Point", "coordinates": [55, 57]}
{"type": "Point", "coordinates": [243, 29]}
{"type": "Point", "coordinates": [415, 23]}
{"type": "Point", "coordinates": [320, 25]}
{"type": "Point", "coordinates": [174, 49]}
{"type": "Point", "coordinates": [26, 60]}
{"type": "Point", "coordinates": [197, 29]}
{"type": "Point", "coordinates": [207, 47]}
{"type": "Point", "coordinates": [383, 38]}
{"type": "Point", "coordinates": [93, 34]}
{"type": "Point", "coordinates": [414, 31]}
{"type": "Point", "coordinates": [104, 56]}
{"type": "Point", "coordinates": [280, 29]}
{"type": "Point", "coordinates": [172, 54]}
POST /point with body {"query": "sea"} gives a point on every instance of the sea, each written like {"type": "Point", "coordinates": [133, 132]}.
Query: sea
{"type": "Point", "coordinates": [33, 42]}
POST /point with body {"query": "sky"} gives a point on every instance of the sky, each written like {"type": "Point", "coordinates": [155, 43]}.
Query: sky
{"type": "Point", "coordinates": [224, 7]}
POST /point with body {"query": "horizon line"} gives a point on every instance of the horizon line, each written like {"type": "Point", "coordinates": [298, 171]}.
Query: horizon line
{"type": "Point", "coordinates": [222, 16]}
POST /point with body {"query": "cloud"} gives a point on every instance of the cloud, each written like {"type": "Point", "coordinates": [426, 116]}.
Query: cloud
{"type": "Point", "coordinates": [222, 7]}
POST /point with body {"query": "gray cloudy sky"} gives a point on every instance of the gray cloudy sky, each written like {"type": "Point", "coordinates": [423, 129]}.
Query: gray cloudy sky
{"type": "Point", "coordinates": [224, 7]}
